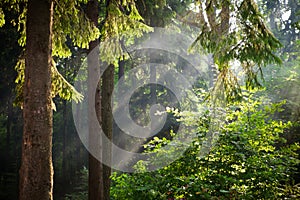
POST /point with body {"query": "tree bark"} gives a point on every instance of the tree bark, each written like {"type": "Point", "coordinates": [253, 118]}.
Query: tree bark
{"type": "Point", "coordinates": [94, 102]}
{"type": "Point", "coordinates": [36, 172]}
{"type": "Point", "coordinates": [153, 86]}
{"type": "Point", "coordinates": [65, 174]}
{"type": "Point", "coordinates": [107, 125]}
{"type": "Point", "coordinates": [8, 132]}
{"type": "Point", "coordinates": [121, 69]}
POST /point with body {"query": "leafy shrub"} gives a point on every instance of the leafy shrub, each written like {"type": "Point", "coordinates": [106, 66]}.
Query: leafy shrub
{"type": "Point", "coordinates": [80, 192]}
{"type": "Point", "coordinates": [249, 161]}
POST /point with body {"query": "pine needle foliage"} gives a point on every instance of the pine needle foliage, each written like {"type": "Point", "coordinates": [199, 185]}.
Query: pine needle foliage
{"type": "Point", "coordinates": [122, 24]}
{"type": "Point", "coordinates": [236, 31]}
{"type": "Point", "coordinates": [69, 24]}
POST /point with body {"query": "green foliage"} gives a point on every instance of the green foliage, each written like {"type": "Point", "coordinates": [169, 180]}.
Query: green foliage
{"type": "Point", "coordinates": [20, 68]}
{"type": "Point", "coordinates": [122, 24]}
{"type": "Point", "coordinates": [284, 21]}
{"type": "Point", "coordinates": [260, 43]}
{"type": "Point", "coordinates": [282, 83]}
{"type": "Point", "coordinates": [249, 161]}
{"type": "Point", "coordinates": [59, 86]}
{"type": "Point", "coordinates": [2, 21]}
{"type": "Point", "coordinates": [248, 40]}
{"type": "Point", "coordinates": [238, 33]}
{"type": "Point", "coordinates": [17, 7]}
{"type": "Point", "coordinates": [226, 81]}
{"type": "Point", "coordinates": [80, 192]}
{"type": "Point", "coordinates": [70, 22]}
{"type": "Point", "coordinates": [157, 13]}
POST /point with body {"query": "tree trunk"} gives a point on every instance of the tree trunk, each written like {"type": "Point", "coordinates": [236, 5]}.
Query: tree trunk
{"type": "Point", "coordinates": [107, 123]}
{"type": "Point", "coordinates": [8, 132]}
{"type": "Point", "coordinates": [153, 87]}
{"type": "Point", "coordinates": [94, 103]}
{"type": "Point", "coordinates": [121, 69]}
{"type": "Point", "coordinates": [65, 174]}
{"type": "Point", "coordinates": [36, 172]}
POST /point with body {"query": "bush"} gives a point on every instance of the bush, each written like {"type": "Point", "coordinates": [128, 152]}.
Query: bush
{"type": "Point", "coordinates": [249, 161]}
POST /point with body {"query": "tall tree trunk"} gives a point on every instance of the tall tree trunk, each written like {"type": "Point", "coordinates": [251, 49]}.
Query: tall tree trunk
{"type": "Point", "coordinates": [121, 69]}
{"type": "Point", "coordinates": [153, 87]}
{"type": "Point", "coordinates": [8, 132]}
{"type": "Point", "coordinates": [95, 166]}
{"type": "Point", "coordinates": [107, 123]}
{"type": "Point", "coordinates": [36, 172]}
{"type": "Point", "coordinates": [65, 174]}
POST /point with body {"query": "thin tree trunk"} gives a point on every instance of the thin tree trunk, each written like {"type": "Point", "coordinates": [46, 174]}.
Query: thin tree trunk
{"type": "Point", "coordinates": [107, 123]}
{"type": "Point", "coordinates": [213, 71]}
{"type": "Point", "coordinates": [153, 87]}
{"type": "Point", "coordinates": [121, 69]}
{"type": "Point", "coordinates": [36, 172]}
{"type": "Point", "coordinates": [7, 154]}
{"type": "Point", "coordinates": [65, 175]}
{"type": "Point", "coordinates": [8, 131]}
{"type": "Point", "coordinates": [95, 167]}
